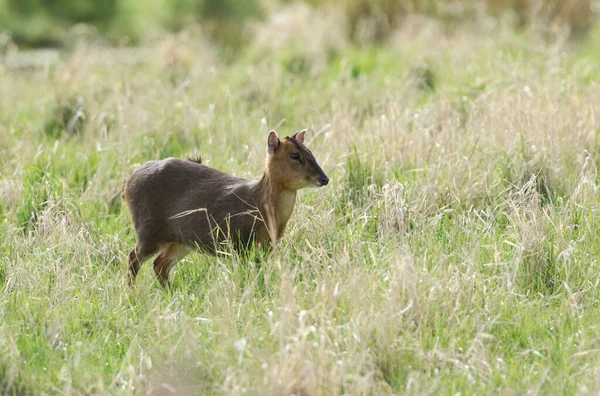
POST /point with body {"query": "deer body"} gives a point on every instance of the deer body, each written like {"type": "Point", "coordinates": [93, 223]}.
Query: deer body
{"type": "Point", "coordinates": [178, 205]}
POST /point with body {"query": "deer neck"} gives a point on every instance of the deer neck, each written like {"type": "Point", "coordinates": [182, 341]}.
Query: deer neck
{"type": "Point", "coordinates": [277, 205]}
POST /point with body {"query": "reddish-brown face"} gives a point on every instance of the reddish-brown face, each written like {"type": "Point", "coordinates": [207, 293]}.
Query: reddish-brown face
{"type": "Point", "coordinates": [292, 164]}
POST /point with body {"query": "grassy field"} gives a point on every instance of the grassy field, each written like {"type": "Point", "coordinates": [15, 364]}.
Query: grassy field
{"type": "Point", "coordinates": [455, 249]}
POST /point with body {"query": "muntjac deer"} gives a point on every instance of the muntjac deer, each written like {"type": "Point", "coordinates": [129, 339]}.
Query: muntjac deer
{"type": "Point", "coordinates": [178, 205]}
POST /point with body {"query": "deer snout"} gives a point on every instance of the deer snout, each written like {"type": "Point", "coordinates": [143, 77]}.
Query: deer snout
{"type": "Point", "coordinates": [323, 180]}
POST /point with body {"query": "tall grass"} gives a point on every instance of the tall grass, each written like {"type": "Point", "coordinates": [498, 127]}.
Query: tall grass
{"type": "Point", "coordinates": [454, 251]}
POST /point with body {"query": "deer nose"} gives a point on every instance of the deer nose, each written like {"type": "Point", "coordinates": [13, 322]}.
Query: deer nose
{"type": "Point", "coordinates": [324, 180]}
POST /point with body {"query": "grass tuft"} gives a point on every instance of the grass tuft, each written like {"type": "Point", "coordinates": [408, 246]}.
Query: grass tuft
{"type": "Point", "coordinates": [66, 117]}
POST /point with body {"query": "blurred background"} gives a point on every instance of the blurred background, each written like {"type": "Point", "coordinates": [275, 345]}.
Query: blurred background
{"type": "Point", "coordinates": [231, 24]}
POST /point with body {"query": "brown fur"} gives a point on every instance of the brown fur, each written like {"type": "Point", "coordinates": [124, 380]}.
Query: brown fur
{"type": "Point", "coordinates": [178, 205]}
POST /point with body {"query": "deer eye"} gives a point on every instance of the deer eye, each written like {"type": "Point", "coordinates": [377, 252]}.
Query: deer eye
{"type": "Point", "coordinates": [295, 156]}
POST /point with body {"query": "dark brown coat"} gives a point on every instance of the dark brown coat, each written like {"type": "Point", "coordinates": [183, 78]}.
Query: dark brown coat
{"type": "Point", "coordinates": [178, 205]}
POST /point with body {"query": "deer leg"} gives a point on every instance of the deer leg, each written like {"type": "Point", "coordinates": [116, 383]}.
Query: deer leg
{"type": "Point", "coordinates": [137, 257]}
{"type": "Point", "coordinates": [171, 254]}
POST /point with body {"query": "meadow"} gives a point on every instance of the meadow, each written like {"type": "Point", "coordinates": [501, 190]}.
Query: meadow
{"type": "Point", "coordinates": [454, 251]}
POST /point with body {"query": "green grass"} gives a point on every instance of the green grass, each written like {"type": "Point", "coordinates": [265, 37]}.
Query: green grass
{"type": "Point", "coordinates": [454, 251]}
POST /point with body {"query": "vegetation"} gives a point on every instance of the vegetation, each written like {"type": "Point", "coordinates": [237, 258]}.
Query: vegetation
{"type": "Point", "coordinates": [63, 22]}
{"type": "Point", "coordinates": [455, 249]}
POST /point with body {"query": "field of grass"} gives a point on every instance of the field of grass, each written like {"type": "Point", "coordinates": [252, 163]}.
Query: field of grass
{"type": "Point", "coordinates": [455, 249]}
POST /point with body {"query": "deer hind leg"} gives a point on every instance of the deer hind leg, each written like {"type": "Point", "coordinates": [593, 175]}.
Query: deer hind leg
{"type": "Point", "coordinates": [137, 257]}
{"type": "Point", "coordinates": [171, 254]}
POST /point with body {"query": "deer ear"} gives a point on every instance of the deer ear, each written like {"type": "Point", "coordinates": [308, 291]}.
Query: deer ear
{"type": "Point", "coordinates": [300, 136]}
{"type": "Point", "coordinates": [273, 142]}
